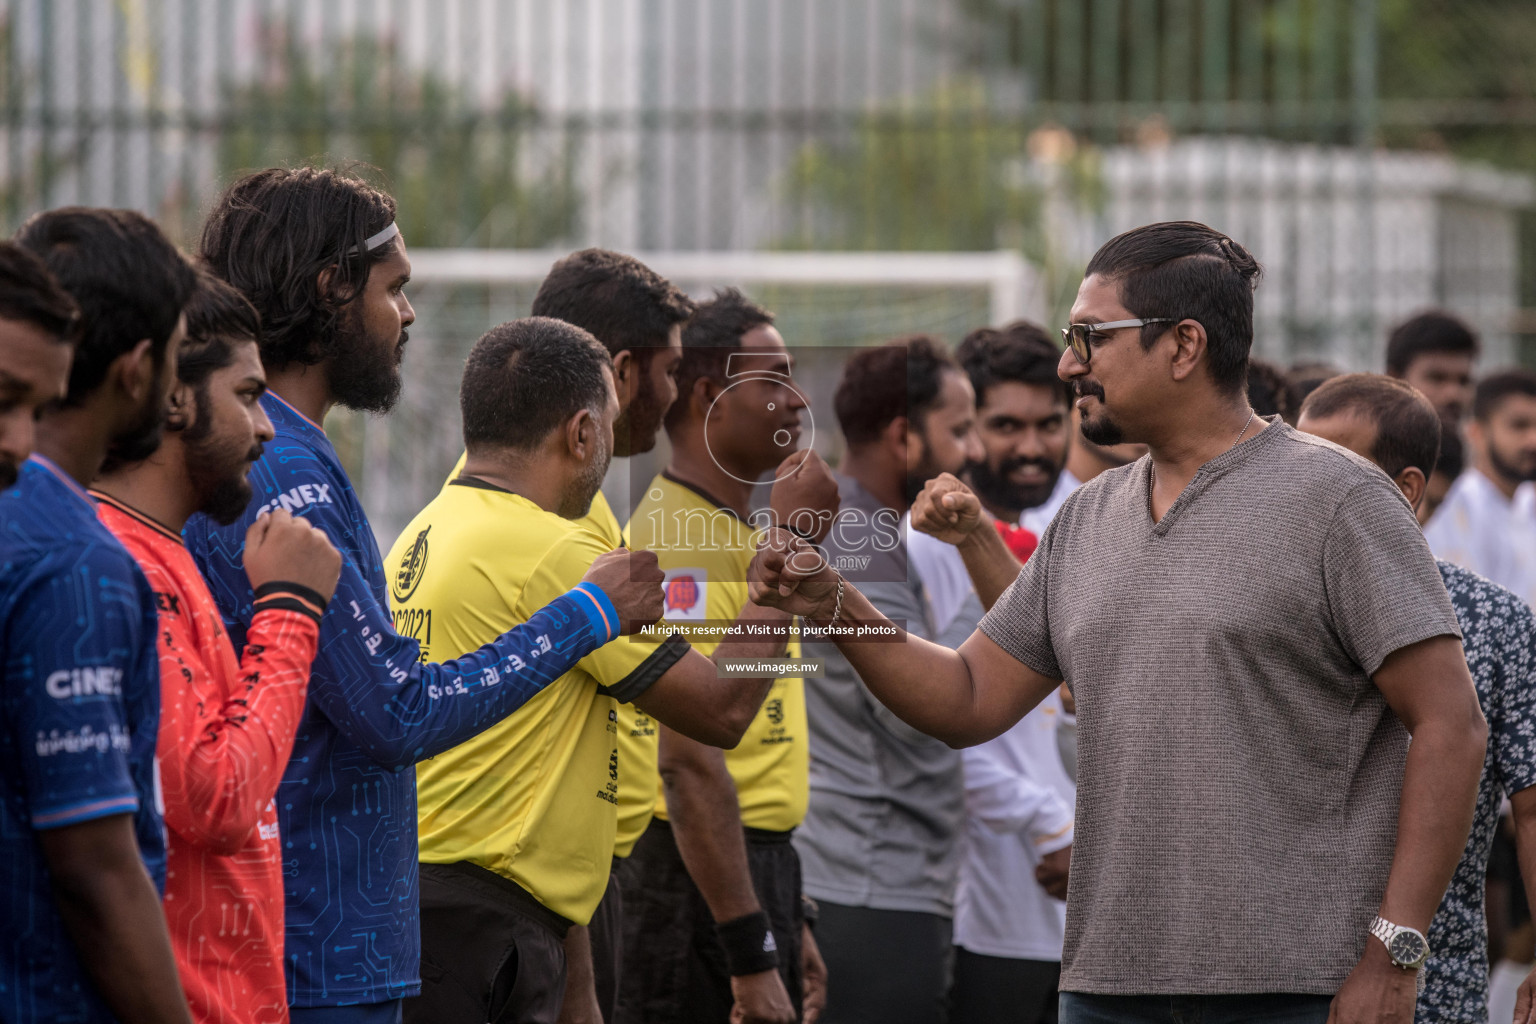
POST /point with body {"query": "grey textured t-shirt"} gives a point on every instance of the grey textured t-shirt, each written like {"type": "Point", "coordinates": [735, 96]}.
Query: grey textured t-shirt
{"type": "Point", "coordinates": [1238, 772]}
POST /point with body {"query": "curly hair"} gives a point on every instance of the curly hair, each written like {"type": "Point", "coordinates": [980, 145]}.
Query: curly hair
{"type": "Point", "coordinates": [272, 233]}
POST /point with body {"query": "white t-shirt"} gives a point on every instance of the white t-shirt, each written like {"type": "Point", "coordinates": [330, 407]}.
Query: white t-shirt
{"type": "Point", "coordinates": [1479, 529]}
{"type": "Point", "coordinates": [1019, 805]}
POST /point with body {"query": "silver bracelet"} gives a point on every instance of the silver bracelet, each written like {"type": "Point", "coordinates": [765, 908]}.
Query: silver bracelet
{"type": "Point", "coordinates": [837, 609]}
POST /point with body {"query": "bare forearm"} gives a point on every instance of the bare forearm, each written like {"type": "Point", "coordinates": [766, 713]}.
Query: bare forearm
{"type": "Point", "coordinates": [580, 1003]}
{"type": "Point", "coordinates": [1445, 761]}
{"type": "Point", "coordinates": [115, 920]}
{"type": "Point", "coordinates": [928, 686]}
{"type": "Point", "coordinates": [1524, 806]}
{"type": "Point", "coordinates": [989, 563]}
{"type": "Point", "coordinates": [706, 822]}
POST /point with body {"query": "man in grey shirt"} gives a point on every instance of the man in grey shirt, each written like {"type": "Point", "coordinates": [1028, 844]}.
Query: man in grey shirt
{"type": "Point", "coordinates": [878, 849]}
{"type": "Point", "coordinates": [1253, 627]}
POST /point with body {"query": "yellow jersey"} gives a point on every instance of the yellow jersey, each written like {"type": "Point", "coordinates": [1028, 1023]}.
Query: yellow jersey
{"type": "Point", "coordinates": [637, 730]}
{"type": "Point", "coordinates": [534, 797]}
{"type": "Point", "coordinates": [704, 550]}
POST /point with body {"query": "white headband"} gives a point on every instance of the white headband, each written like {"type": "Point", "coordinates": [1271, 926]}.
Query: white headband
{"type": "Point", "coordinates": [372, 242]}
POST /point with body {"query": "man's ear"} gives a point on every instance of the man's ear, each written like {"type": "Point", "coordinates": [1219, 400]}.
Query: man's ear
{"type": "Point", "coordinates": [1190, 345]}
{"type": "Point", "coordinates": [325, 286]}
{"type": "Point", "coordinates": [703, 395]}
{"type": "Point", "coordinates": [134, 371]}
{"type": "Point", "coordinates": [900, 440]}
{"type": "Point", "coordinates": [181, 409]}
{"type": "Point", "coordinates": [626, 376]}
{"type": "Point", "coordinates": [1413, 484]}
{"type": "Point", "coordinates": [581, 435]}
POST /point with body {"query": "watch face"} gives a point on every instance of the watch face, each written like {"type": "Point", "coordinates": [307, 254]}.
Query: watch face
{"type": "Point", "coordinates": [1407, 948]}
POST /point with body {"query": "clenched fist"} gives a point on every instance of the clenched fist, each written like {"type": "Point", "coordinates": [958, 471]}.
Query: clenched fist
{"type": "Point", "coordinates": [804, 496]}
{"type": "Point", "coordinates": [947, 509]}
{"type": "Point", "coordinates": [282, 549]}
{"type": "Point", "coordinates": [632, 581]}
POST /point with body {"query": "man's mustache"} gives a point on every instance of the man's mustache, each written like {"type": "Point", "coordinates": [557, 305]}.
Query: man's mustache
{"type": "Point", "coordinates": [1086, 388]}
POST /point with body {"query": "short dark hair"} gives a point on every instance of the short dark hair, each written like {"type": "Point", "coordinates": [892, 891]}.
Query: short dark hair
{"type": "Point", "coordinates": [1268, 391]}
{"type": "Point", "coordinates": [218, 318]}
{"type": "Point", "coordinates": [713, 332]}
{"type": "Point", "coordinates": [1432, 331]}
{"type": "Point", "coordinates": [1493, 389]}
{"type": "Point", "coordinates": [31, 295]}
{"type": "Point", "coordinates": [525, 378]}
{"type": "Point", "coordinates": [622, 302]}
{"type": "Point", "coordinates": [1021, 352]}
{"type": "Point", "coordinates": [127, 278]}
{"type": "Point", "coordinates": [900, 378]}
{"type": "Point", "coordinates": [1183, 269]}
{"type": "Point", "coordinates": [1452, 458]}
{"type": "Point", "coordinates": [1407, 426]}
{"type": "Point", "coordinates": [271, 234]}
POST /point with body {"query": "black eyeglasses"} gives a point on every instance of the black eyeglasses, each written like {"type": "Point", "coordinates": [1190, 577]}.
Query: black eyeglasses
{"type": "Point", "coordinates": [1076, 335]}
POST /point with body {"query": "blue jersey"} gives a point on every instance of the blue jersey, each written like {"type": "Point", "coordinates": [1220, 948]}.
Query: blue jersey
{"type": "Point", "coordinates": [79, 706]}
{"type": "Point", "coordinates": [347, 803]}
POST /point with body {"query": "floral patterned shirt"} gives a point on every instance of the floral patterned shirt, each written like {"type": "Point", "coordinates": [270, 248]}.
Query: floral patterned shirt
{"type": "Point", "coordinates": [1499, 635]}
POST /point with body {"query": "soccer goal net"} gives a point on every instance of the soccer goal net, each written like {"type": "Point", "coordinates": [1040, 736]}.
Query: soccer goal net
{"type": "Point", "coordinates": [824, 304]}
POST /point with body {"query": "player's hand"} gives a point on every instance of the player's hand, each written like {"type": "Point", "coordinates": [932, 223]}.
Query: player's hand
{"type": "Point", "coordinates": [282, 549]}
{"type": "Point", "coordinates": [1376, 991]}
{"type": "Point", "coordinates": [1525, 1000]}
{"type": "Point", "coordinates": [813, 971]}
{"type": "Point", "coordinates": [632, 580]}
{"type": "Point", "coordinates": [1052, 871]}
{"type": "Point", "coordinates": [760, 999]}
{"type": "Point", "coordinates": [947, 509]}
{"type": "Point", "coordinates": [788, 574]}
{"type": "Point", "coordinates": [804, 496]}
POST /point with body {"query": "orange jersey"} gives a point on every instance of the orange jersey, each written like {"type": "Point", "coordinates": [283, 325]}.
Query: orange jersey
{"type": "Point", "coordinates": [226, 730]}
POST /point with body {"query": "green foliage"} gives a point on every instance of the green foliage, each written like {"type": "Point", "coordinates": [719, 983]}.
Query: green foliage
{"type": "Point", "coordinates": [943, 174]}
{"type": "Point", "coordinates": [464, 174]}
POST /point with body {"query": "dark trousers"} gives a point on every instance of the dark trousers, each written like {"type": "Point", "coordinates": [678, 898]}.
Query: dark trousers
{"type": "Point", "coordinates": [1077, 1008]}
{"type": "Point", "coordinates": [884, 966]}
{"type": "Point", "coordinates": [674, 968]}
{"type": "Point", "coordinates": [607, 938]}
{"type": "Point", "coordinates": [1002, 990]}
{"type": "Point", "coordinates": [489, 951]}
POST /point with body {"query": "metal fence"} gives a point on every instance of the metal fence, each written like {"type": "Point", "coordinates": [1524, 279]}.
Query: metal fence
{"type": "Point", "coordinates": [933, 125]}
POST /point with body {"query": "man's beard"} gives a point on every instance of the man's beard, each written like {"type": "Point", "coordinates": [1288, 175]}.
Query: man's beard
{"type": "Point", "coordinates": [997, 490]}
{"type": "Point", "coordinates": [634, 432]}
{"type": "Point", "coordinates": [918, 478]}
{"type": "Point", "coordinates": [586, 488]}
{"type": "Point", "coordinates": [141, 439]}
{"type": "Point", "coordinates": [218, 471]}
{"type": "Point", "coordinates": [8, 473]}
{"type": "Point", "coordinates": [1103, 431]}
{"type": "Point", "coordinates": [1509, 469]}
{"type": "Point", "coordinates": [362, 377]}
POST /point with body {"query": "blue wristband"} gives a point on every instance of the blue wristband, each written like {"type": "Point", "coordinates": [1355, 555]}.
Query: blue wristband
{"type": "Point", "coordinates": [600, 610]}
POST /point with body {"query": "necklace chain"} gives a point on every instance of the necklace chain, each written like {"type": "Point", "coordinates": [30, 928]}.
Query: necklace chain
{"type": "Point", "coordinates": [1246, 424]}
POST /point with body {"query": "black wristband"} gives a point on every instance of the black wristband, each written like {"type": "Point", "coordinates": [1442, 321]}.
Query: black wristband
{"type": "Point", "coordinates": [749, 944]}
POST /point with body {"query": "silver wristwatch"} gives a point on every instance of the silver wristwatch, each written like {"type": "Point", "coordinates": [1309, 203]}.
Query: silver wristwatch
{"type": "Point", "coordinates": [1406, 946]}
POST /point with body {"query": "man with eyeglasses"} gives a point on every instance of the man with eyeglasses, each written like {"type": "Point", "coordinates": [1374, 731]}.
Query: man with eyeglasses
{"type": "Point", "coordinates": [1252, 626]}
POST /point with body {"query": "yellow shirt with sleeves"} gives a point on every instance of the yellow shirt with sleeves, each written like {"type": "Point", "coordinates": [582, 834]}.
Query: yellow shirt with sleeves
{"type": "Point", "coordinates": [638, 778]}
{"type": "Point", "coordinates": [533, 797]}
{"type": "Point", "coordinates": [704, 550]}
